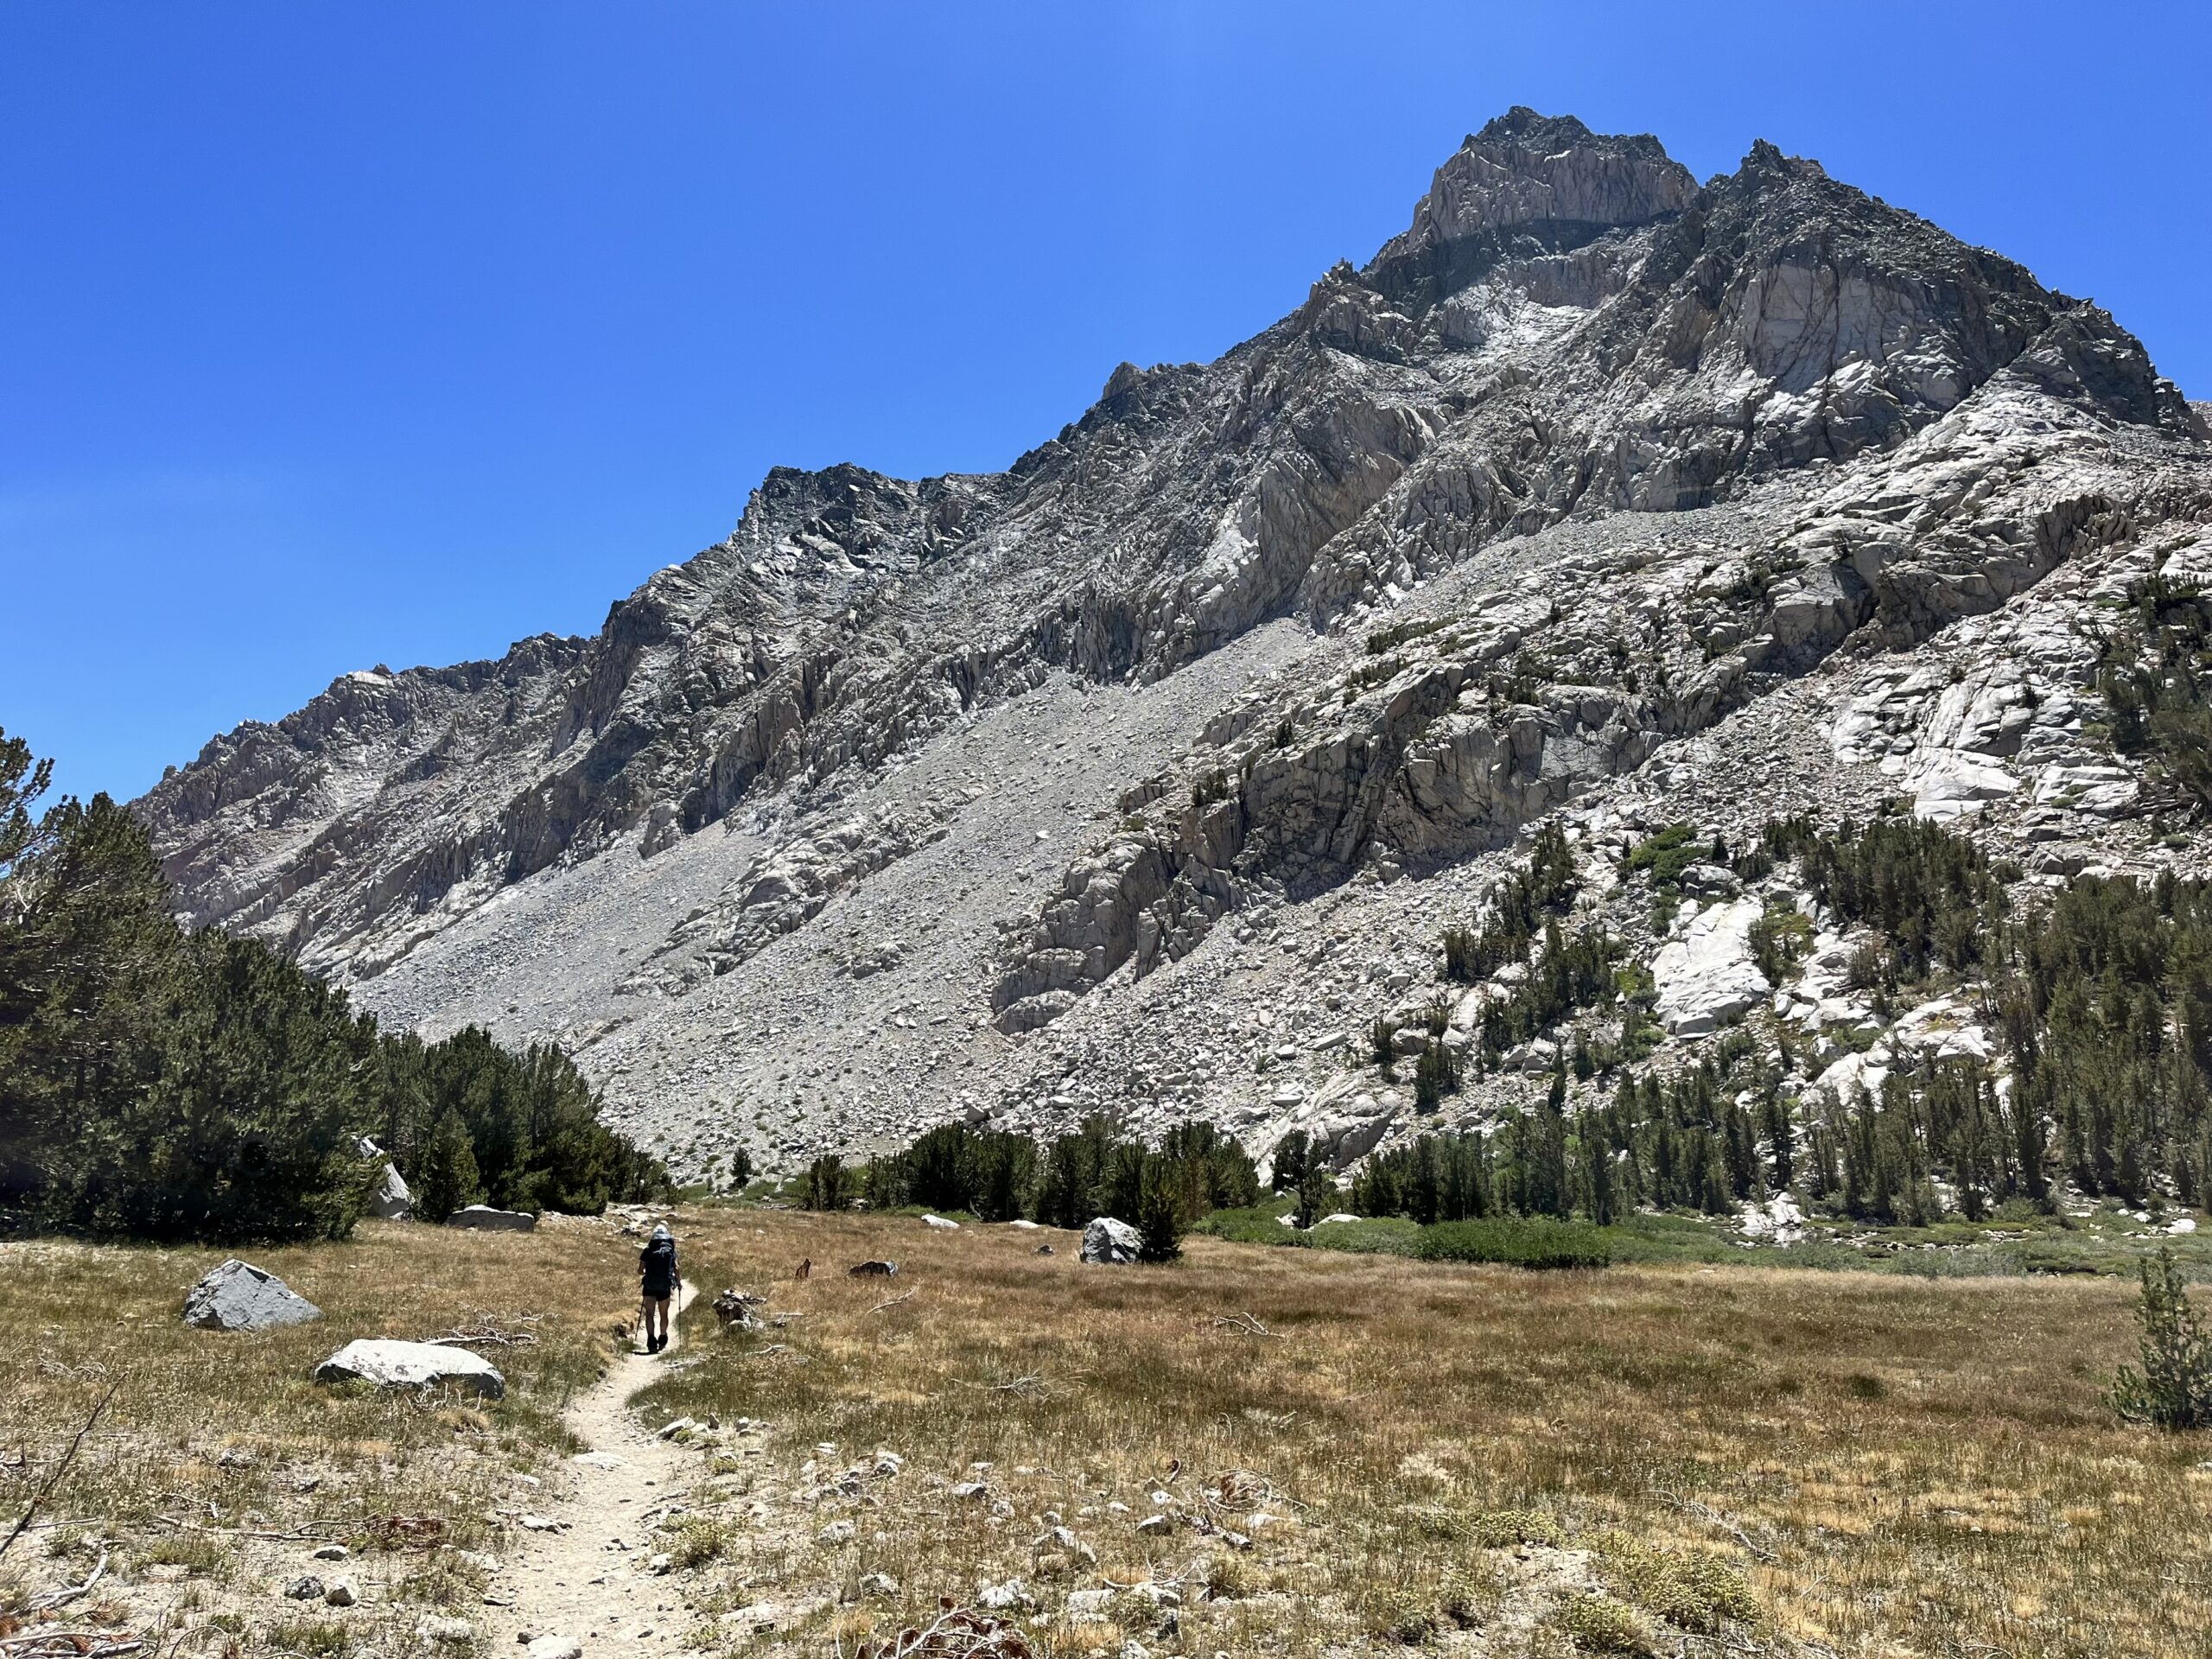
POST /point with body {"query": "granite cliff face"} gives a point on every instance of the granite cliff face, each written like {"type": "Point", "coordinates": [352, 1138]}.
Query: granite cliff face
{"type": "Point", "coordinates": [974, 794]}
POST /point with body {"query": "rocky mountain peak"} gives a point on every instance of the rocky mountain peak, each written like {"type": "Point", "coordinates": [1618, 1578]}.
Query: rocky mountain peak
{"type": "Point", "coordinates": [1588, 469]}
{"type": "Point", "coordinates": [1527, 183]}
{"type": "Point", "coordinates": [1766, 159]}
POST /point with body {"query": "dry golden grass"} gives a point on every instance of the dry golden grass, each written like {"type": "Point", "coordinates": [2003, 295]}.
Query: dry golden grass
{"type": "Point", "coordinates": [213, 1437]}
{"type": "Point", "coordinates": [1889, 1465]}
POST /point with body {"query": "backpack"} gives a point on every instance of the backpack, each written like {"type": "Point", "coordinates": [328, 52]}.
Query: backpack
{"type": "Point", "coordinates": [657, 1262]}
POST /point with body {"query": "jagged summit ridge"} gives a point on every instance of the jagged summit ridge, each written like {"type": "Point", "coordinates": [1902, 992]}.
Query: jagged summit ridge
{"type": "Point", "coordinates": [1526, 183]}
{"type": "Point", "coordinates": [1573, 353]}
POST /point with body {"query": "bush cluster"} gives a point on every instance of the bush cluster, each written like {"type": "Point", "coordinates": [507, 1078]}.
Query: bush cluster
{"type": "Point", "coordinates": [1520, 1242]}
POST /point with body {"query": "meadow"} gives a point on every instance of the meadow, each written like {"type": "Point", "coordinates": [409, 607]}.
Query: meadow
{"type": "Point", "coordinates": [1474, 1457]}
{"type": "Point", "coordinates": [1252, 1450]}
{"type": "Point", "coordinates": [215, 1465]}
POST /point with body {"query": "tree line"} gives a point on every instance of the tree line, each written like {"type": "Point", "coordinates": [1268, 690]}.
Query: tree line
{"type": "Point", "coordinates": [164, 1083]}
{"type": "Point", "coordinates": [1069, 1181]}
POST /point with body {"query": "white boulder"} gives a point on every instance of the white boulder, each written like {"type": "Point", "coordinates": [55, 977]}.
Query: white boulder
{"type": "Point", "coordinates": [393, 1364]}
{"type": "Point", "coordinates": [392, 1202]}
{"type": "Point", "coordinates": [1705, 976]}
{"type": "Point", "coordinates": [1110, 1241]}
{"type": "Point", "coordinates": [239, 1296]}
{"type": "Point", "coordinates": [482, 1217]}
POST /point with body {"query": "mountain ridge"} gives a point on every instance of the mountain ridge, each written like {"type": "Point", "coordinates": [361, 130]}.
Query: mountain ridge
{"type": "Point", "coordinates": [1573, 352]}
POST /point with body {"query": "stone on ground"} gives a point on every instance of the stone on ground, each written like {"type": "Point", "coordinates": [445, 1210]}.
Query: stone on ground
{"type": "Point", "coordinates": [1705, 976]}
{"type": "Point", "coordinates": [482, 1217]}
{"type": "Point", "coordinates": [394, 1365]}
{"type": "Point", "coordinates": [1110, 1241]}
{"type": "Point", "coordinates": [239, 1296]}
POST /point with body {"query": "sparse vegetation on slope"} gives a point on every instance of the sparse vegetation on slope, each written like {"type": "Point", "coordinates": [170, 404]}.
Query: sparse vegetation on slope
{"type": "Point", "coordinates": [2156, 676]}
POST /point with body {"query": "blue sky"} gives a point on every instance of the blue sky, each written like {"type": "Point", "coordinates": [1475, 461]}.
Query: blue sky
{"type": "Point", "coordinates": [346, 334]}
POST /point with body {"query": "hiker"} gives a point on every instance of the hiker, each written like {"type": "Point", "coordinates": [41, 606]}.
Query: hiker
{"type": "Point", "coordinates": [657, 1274]}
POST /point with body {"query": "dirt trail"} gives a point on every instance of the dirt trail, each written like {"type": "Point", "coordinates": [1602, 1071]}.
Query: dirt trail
{"type": "Point", "coordinates": [590, 1578]}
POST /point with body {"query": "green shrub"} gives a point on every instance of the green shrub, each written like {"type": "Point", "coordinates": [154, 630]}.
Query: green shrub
{"type": "Point", "coordinates": [315, 1638]}
{"type": "Point", "coordinates": [1532, 1241]}
{"type": "Point", "coordinates": [2174, 1388]}
{"type": "Point", "coordinates": [1469, 1596]}
{"type": "Point", "coordinates": [1507, 1528]}
{"type": "Point", "coordinates": [1778, 939]}
{"type": "Point", "coordinates": [1692, 1592]}
{"type": "Point", "coordinates": [1600, 1624]}
{"type": "Point", "coordinates": [1396, 1614]}
{"type": "Point", "coordinates": [1380, 1236]}
{"type": "Point", "coordinates": [1667, 855]}
{"type": "Point", "coordinates": [1258, 1224]}
{"type": "Point", "coordinates": [695, 1540]}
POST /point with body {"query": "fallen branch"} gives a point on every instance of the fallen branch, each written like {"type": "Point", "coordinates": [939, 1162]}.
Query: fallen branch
{"type": "Point", "coordinates": [1029, 1388]}
{"type": "Point", "coordinates": [1234, 1489]}
{"type": "Point", "coordinates": [893, 1302]}
{"type": "Point", "coordinates": [1713, 1518]}
{"type": "Point", "coordinates": [63, 1596]}
{"type": "Point", "coordinates": [458, 1338]}
{"type": "Point", "coordinates": [60, 1469]}
{"type": "Point", "coordinates": [1246, 1323]}
{"type": "Point", "coordinates": [307, 1529]}
{"type": "Point", "coordinates": [955, 1633]}
{"type": "Point", "coordinates": [68, 1644]}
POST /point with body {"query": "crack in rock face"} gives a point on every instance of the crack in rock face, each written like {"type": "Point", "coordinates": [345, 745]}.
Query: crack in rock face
{"type": "Point", "coordinates": [956, 797]}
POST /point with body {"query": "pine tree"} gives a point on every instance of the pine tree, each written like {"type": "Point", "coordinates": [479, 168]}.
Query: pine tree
{"type": "Point", "coordinates": [1597, 1178]}
{"type": "Point", "coordinates": [1159, 1213]}
{"type": "Point", "coordinates": [445, 1176]}
{"type": "Point", "coordinates": [1291, 1153]}
{"type": "Point", "coordinates": [825, 1185]}
{"type": "Point", "coordinates": [1436, 1074]}
{"type": "Point", "coordinates": [1121, 1183]}
{"type": "Point", "coordinates": [1315, 1191]}
{"type": "Point", "coordinates": [164, 1085]}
